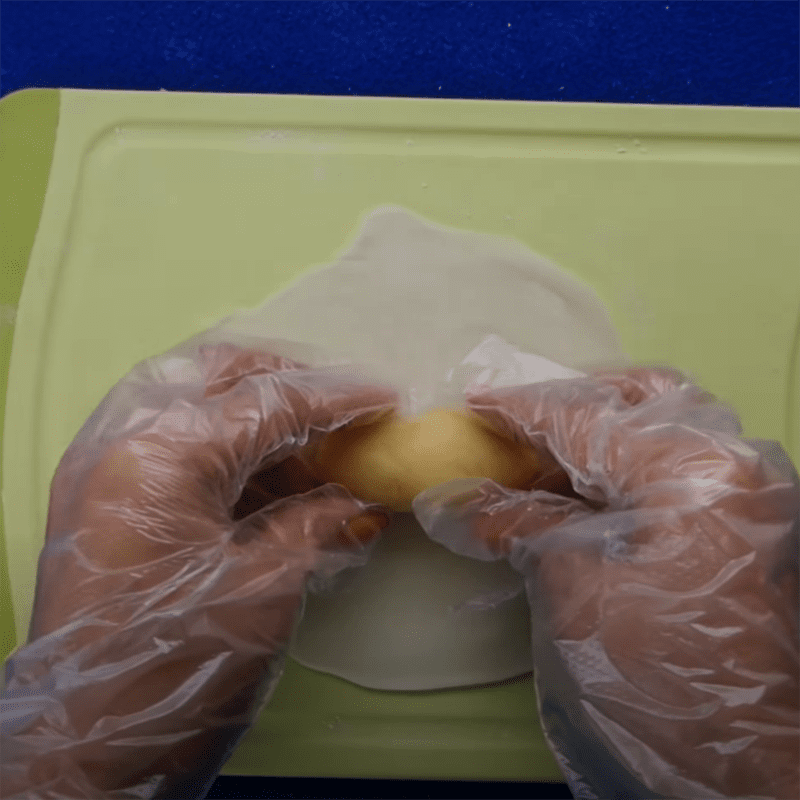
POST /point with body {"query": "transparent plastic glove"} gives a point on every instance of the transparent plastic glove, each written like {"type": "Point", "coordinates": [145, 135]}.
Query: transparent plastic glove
{"type": "Point", "coordinates": [163, 611]}
{"type": "Point", "coordinates": [663, 590]}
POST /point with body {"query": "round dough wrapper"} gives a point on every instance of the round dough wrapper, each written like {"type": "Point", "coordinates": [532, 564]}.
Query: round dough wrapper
{"type": "Point", "coordinates": [397, 458]}
{"type": "Point", "coordinates": [411, 302]}
{"type": "Point", "coordinates": [417, 602]}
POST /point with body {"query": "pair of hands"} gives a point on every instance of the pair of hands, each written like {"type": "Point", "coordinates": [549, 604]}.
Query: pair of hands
{"type": "Point", "coordinates": [660, 588]}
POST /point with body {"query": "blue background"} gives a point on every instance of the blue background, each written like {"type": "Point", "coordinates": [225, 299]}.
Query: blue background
{"type": "Point", "coordinates": [733, 52]}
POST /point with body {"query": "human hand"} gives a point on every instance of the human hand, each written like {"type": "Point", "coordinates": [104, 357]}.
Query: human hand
{"type": "Point", "coordinates": [163, 607]}
{"type": "Point", "coordinates": [661, 569]}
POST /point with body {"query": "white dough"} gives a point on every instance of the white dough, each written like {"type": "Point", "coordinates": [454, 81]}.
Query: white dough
{"type": "Point", "coordinates": [414, 637]}
{"type": "Point", "coordinates": [430, 309]}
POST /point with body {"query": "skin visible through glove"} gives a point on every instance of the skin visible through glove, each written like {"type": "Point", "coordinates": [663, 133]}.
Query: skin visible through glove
{"type": "Point", "coordinates": [698, 618]}
{"type": "Point", "coordinates": [151, 581]}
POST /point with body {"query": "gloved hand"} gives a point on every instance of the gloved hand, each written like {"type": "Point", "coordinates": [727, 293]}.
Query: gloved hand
{"type": "Point", "coordinates": [663, 589]}
{"type": "Point", "coordinates": [162, 612]}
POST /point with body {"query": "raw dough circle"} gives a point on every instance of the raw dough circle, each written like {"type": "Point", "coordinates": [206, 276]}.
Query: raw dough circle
{"type": "Point", "coordinates": [393, 460]}
{"type": "Point", "coordinates": [429, 310]}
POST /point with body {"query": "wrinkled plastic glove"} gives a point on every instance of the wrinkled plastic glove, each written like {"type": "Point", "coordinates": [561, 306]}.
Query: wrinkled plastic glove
{"type": "Point", "coordinates": [163, 609]}
{"type": "Point", "coordinates": [663, 589]}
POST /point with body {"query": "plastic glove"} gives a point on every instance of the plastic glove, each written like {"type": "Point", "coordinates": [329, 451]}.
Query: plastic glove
{"type": "Point", "coordinates": [663, 592]}
{"type": "Point", "coordinates": [161, 616]}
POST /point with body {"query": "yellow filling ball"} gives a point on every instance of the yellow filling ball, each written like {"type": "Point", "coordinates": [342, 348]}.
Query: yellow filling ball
{"type": "Point", "coordinates": [393, 460]}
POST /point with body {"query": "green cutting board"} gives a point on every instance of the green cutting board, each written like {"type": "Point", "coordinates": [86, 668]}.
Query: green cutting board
{"type": "Point", "coordinates": [164, 212]}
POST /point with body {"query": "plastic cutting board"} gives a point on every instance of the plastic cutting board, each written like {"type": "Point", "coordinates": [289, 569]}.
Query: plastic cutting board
{"type": "Point", "coordinates": [164, 212]}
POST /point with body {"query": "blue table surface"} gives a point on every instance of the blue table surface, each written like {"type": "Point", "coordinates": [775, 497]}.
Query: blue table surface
{"type": "Point", "coordinates": [732, 53]}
